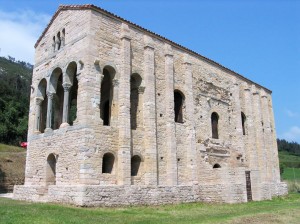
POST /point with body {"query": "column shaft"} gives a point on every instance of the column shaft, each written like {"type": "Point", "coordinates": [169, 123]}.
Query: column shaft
{"type": "Point", "coordinates": [38, 114]}
{"type": "Point", "coordinates": [65, 118]}
{"type": "Point", "coordinates": [49, 110]}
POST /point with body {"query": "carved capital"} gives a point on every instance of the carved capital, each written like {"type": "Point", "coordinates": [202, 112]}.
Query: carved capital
{"type": "Point", "coordinates": [39, 100]}
{"type": "Point", "coordinates": [50, 95]}
{"type": "Point", "coordinates": [115, 82]}
{"type": "Point", "coordinates": [66, 87]}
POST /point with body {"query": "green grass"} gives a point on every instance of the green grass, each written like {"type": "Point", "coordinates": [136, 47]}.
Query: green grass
{"type": "Point", "coordinates": [279, 210]}
{"type": "Point", "coordinates": [10, 148]}
{"type": "Point", "coordinates": [291, 174]}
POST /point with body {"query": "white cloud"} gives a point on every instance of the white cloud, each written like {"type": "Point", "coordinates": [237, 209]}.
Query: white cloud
{"type": "Point", "coordinates": [293, 134]}
{"type": "Point", "coordinates": [19, 32]}
{"type": "Point", "coordinates": [291, 113]}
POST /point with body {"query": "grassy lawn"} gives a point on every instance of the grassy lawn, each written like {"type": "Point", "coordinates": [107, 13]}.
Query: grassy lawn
{"type": "Point", "coordinates": [291, 174]}
{"type": "Point", "coordinates": [279, 210]}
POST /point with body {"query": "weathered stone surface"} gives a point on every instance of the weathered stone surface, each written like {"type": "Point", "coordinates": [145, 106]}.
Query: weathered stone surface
{"type": "Point", "coordinates": [111, 137]}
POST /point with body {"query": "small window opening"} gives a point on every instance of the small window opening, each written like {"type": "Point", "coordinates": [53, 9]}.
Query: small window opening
{"type": "Point", "coordinates": [58, 104]}
{"type": "Point", "coordinates": [108, 163]}
{"type": "Point", "coordinates": [58, 41]}
{"type": "Point", "coordinates": [135, 83]}
{"type": "Point", "coordinates": [106, 96]}
{"type": "Point", "coordinates": [178, 106]}
{"type": "Point", "coordinates": [214, 125]}
{"type": "Point", "coordinates": [106, 113]}
{"type": "Point", "coordinates": [51, 170]}
{"type": "Point", "coordinates": [216, 166]}
{"type": "Point", "coordinates": [243, 123]}
{"type": "Point", "coordinates": [54, 44]}
{"type": "Point", "coordinates": [63, 40]}
{"type": "Point", "coordinates": [135, 165]}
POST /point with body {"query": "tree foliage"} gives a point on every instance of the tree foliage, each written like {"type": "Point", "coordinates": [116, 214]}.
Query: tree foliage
{"type": "Point", "coordinates": [291, 147]}
{"type": "Point", "coordinates": [15, 80]}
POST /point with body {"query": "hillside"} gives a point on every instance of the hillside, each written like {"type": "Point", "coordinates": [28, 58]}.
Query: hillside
{"type": "Point", "coordinates": [12, 167]}
{"type": "Point", "coordinates": [15, 81]}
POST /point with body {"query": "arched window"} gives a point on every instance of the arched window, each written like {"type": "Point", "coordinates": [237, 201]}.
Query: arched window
{"type": "Point", "coordinates": [214, 125]}
{"type": "Point", "coordinates": [51, 170]}
{"type": "Point", "coordinates": [63, 37]}
{"type": "Point", "coordinates": [243, 123]}
{"type": "Point", "coordinates": [58, 104]}
{"type": "Point", "coordinates": [216, 166]}
{"type": "Point", "coordinates": [135, 82]}
{"type": "Point", "coordinates": [106, 95]}
{"type": "Point", "coordinates": [42, 113]}
{"type": "Point", "coordinates": [54, 44]}
{"type": "Point", "coordinates": [108, 163]}
{"type": "Point", "coordinates": [178, 106]}
{"type": "Point", "coordinates": [135, 165]}
{"type": "Point", "coordinates": [57, 89]}
{"type": "Point", "coordinates": [58, 41]}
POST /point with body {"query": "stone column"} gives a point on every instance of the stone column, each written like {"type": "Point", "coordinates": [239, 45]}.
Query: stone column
{"type": "Point", "coordinates": [65, 118]}
{"type": "Point", "coordinates": [49, 111]}
{"type": "Point", "coordinates": [149, 115]}
{"type": "Point", "coordinates": [190, 120]}
{"type": "Point", "coordinates": [259, 134]}
{"type": "Point", "coordinates": [124, 155]}
{"type": "Point", "coordinates": [250, 142]}
{"type": "Point", "coordinates": [39, 101]}
{"type": "Point", "coordinates": [171, 147]}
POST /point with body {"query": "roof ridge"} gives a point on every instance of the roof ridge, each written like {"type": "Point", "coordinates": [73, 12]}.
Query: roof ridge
{"type": "Point", "coordinates": [91, 6]}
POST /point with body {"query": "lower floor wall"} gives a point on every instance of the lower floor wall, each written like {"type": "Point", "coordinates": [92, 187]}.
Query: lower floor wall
{"type": "Point", "coordinates": [91, 195]}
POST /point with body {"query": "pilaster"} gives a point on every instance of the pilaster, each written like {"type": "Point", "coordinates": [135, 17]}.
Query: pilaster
{"type": "Point", "coordinates": [238, 139]}
{"type": "Point", "coordinates": [149, 115]}
{"type": "Point", "coordinates": [250, 137]}
{"type": "Point", "coordinates": [260, 147]}
{"type": "Point", "coordinates": [190, 120]}
{"type": "Point", "coordinates": [124, 154]}
{"type": "Point", "coordinates": [267, 135]}
{"type": "Point", "coordinates": [274, 148]}
{"type": "Point", "coordinates": [172, 178]}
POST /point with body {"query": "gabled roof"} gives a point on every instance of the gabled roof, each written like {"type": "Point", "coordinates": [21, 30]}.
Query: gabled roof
{"type": "Point", "coordinates": [96, 8]}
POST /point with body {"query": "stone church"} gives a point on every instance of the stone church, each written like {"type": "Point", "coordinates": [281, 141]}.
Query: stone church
{"type": "Point", "coordinates": [120, 115]}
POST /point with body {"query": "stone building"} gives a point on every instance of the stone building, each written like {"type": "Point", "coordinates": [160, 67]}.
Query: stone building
{"type": "Point", "coordinates": [120, 115]}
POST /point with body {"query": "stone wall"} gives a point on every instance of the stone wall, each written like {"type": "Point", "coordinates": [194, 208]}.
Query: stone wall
{"type": "Point", "coordinates": [180, 161]}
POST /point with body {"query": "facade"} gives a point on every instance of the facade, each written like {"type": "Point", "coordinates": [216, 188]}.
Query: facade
{"type": "Point", "coordinates": [120, 115]}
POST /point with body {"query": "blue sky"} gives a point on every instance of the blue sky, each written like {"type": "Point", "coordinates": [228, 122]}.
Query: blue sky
{"type": "Point", "coordinates": [259, 39]}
